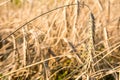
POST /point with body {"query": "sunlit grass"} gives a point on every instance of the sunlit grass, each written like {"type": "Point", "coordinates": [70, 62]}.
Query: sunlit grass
{"type": "Point", "coordinates": [58, 44]}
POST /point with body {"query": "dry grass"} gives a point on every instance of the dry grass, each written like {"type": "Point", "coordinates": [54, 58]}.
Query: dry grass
{"type": "Point", "coordinates": [56, 40]}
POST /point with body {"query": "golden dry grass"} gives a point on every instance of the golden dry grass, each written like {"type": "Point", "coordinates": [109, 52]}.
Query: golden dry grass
{"type": "Point", "coordinates": [51, 40]}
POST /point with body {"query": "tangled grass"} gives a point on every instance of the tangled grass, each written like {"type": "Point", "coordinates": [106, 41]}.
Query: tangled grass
{"type": "Point", "coordinates": [59, 40]}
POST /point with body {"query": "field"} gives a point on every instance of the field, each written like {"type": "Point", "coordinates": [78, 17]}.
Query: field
{"type": "Point", "coordinates": [59, 39]}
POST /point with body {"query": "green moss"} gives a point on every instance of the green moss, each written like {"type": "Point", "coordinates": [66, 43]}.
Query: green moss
{"type": "Point", "coordinates": [61, 75]}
